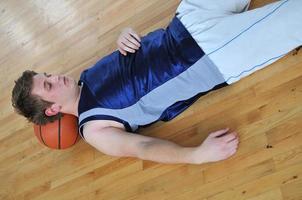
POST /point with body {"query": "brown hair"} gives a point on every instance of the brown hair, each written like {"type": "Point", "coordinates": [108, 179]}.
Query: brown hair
{"type": "Point", "coordinates": [30, 106]}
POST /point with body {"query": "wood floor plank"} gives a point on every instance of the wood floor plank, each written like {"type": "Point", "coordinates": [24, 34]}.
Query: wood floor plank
{"type": "Point", "coordinates": [70, 36]}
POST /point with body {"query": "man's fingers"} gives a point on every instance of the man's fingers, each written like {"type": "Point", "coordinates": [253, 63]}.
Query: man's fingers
{"type": "Point", "coordinates": [233, 144]}
{"type": "Point", "coordinates": [229, 137]}
{"type": "Point", "coordinates": [126, 43]}
{"type": "Point", "coordinates": [124, 47]}
{"type": "Point", "coordinates": [129, 41]}
{"type": "Point", "coordinates": [233, 152]}
{"type": "Point", "coordinates": [219, 133]}
{"type": "Point", "coordinates": [122, 51]}
{"type": "Point", "coordinates": [135, 35]}
{"type": "Point", "coordinates": [132, 42]}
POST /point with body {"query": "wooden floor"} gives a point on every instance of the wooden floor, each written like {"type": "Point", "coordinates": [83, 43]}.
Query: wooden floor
{"type": "Point", "coordinates": [68, 36]}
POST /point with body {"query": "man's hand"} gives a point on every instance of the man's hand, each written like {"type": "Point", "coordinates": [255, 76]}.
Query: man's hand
{"type": "Point", "coordinates": [128, 41]}
{"type": "Point", "coordinates": [218, 146]}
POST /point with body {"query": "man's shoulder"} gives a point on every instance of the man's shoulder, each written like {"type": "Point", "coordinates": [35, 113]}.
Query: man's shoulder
{"type": "Point", "coordinates": [96, 125]}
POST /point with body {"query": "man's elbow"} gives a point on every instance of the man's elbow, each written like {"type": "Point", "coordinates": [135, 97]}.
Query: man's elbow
{"type": "Point", "coordinates": [136, 151]}
{"type": "Point", "coordinates": [127, 151]}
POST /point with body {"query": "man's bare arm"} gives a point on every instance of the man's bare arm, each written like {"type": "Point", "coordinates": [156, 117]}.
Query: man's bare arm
{"type": "Point", "coordinates": [117, 142]}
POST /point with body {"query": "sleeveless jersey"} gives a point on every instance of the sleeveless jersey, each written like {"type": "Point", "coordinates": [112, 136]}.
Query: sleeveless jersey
{"type": "Point", "coordinates": [163, 78]}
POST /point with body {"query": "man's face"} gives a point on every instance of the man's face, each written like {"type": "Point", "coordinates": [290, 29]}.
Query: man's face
{"type": "Point", "coordinates": [55, 88]}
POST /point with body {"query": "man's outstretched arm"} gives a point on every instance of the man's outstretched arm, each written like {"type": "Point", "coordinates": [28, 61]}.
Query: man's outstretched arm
{"type": "Point", "coordinates": [116, 142]}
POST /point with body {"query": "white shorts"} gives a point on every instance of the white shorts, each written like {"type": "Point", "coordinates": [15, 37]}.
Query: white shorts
{"type": "Point", "coordinates": [238, 41]}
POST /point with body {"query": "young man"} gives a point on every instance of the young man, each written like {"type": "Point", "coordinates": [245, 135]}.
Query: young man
{"type": "Point", "coordinates": [207, 45]}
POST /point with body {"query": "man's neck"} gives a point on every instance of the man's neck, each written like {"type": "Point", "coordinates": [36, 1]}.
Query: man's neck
{"type": "Point", "coordinates": [72, 108]}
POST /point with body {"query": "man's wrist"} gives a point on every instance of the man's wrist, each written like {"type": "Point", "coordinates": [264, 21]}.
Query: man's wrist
{"type": "Point", "coordinates": [170, 153]}
{"type": "Point", "coordinates": [195, 156]}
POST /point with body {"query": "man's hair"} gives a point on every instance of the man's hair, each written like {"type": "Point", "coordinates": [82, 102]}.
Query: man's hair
{"type": "Point", "coordinates": [30, 106]}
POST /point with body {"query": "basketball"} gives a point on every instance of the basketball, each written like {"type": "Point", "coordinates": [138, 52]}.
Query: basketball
{"type": "Point", "coordinates": [60, 134]}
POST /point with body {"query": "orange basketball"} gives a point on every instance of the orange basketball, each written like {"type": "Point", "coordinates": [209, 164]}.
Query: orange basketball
{"type": "Point", "coordinates": [60, 134]}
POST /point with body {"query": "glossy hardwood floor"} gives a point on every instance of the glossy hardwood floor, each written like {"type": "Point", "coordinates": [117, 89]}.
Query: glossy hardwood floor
{"type": "Point", "coordinates": [68, 36]}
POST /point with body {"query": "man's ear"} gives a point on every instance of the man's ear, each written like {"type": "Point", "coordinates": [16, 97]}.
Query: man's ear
{"type": "Point", "coordinates": [54, 109]}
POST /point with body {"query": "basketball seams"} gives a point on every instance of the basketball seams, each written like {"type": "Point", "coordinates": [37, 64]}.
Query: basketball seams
{"type": "Point", "coordinates": [59, 133]}
{"type": "Point", "coordinates": [41, 135]}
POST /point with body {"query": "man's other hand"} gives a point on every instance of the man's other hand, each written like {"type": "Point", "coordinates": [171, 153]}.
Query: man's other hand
{"type": "Point", "coordinates": [128, 41]}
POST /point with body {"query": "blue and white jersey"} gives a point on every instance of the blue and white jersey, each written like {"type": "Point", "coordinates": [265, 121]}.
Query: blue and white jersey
{"type": "Point", "coordinates": [163, 78]}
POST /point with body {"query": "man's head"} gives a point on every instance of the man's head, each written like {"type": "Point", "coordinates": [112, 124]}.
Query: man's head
{"type": "Point", "coordinates": [40, 97]}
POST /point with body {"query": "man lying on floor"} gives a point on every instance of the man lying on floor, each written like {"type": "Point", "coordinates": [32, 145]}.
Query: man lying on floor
{"type": "Point", "coordinates": [207, 45]}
